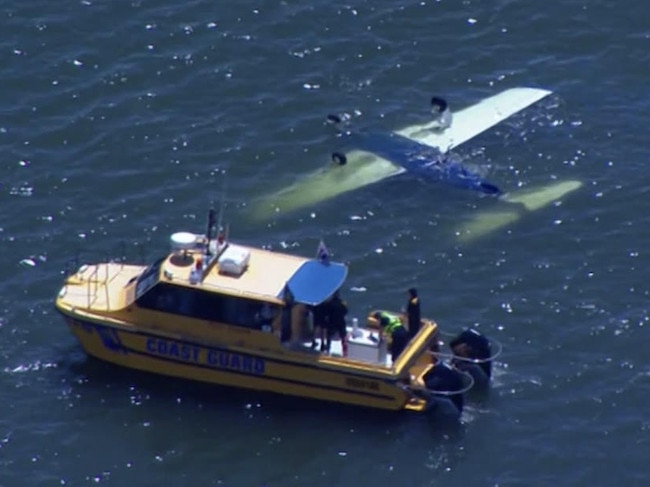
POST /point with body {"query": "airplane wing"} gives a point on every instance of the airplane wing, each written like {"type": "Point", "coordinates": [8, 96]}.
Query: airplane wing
{"type": "Point", "coordinates": [365, 167]}
{"type": "Point", "coordinates": [473, 120]}
{"type": "Point", "coordinates": [512, 207]}
{"type": "Point", "coordinates": [362, 168]}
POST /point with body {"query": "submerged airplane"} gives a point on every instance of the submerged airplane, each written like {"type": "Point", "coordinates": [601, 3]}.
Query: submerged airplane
{"type": "Point", "coordinates": [422, 149]}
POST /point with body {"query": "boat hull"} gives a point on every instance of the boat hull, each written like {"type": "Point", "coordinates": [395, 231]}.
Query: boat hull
{"type": "Point", "coordinates": [312, 376]}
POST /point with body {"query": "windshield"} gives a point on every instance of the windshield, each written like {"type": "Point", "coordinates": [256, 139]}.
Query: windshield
{"type": "Point", "coordinates": [148, 278]}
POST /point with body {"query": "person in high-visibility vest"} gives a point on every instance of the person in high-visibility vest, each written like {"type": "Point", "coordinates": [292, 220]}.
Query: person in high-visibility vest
{"type": "Point", "coordinates": [392, 326]}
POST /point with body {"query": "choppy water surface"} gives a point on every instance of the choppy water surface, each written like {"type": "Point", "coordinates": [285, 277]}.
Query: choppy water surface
{"type": "Point", "coordinates": [117, 120]}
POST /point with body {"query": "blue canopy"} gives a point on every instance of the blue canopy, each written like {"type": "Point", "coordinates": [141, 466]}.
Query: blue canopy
{"type": "Point", "coordinates": [315, 281]}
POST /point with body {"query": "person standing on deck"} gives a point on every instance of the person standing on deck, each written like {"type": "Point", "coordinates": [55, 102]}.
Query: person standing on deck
{"type": "Point", "coordinates": [337, 311]}
{"type": "Point", "coordinates": [413, 312]}
{"type": "Point", "coordinates": [320, 315]}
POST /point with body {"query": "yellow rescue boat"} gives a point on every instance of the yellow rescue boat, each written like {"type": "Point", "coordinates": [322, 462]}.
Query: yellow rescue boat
{"type": "Point", "coordinates": [236, 315]}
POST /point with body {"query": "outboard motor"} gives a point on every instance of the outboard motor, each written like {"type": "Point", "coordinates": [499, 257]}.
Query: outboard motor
{"type": "Point", "coordinates": [473, 353]}
{"type": "Point", "coordinates": [447, 381]}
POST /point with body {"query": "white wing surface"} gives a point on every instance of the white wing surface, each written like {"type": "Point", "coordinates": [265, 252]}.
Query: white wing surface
{"type": "Point", "coordinates": [472, 121]}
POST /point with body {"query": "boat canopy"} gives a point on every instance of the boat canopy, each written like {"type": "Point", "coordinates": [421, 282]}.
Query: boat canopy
{"type": "Point", "coordinates": [316, 281]}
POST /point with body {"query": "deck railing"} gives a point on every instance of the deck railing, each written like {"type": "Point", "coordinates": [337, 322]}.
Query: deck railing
{"type": "Point", "coordinates": [121, 254]}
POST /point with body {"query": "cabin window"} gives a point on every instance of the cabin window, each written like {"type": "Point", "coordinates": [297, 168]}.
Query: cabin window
{"type": "Point", "coordinates": [148, 278]}
{"type": "Point", "coordinates": [203, 305]}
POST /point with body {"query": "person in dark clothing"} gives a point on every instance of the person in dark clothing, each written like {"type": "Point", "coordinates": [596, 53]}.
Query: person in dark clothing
{"type": "Point", "coordinates": [413, 312]}
{"type": "Point", "coordinates": [392, 326]}
{"type": "Point", "coordinates": [337, 311]}
{"type": "Point", "coordinates": [320, 315]}
{"type": "Point", "coordinates": [285, 324]}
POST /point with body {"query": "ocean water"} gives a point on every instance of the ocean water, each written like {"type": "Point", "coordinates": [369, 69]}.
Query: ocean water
{"type": "Point", "coordinates": [122, 122]}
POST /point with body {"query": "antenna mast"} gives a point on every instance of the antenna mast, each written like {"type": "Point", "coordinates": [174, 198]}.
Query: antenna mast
{"type": "Point", "coordinates": [208, 233]}
{"type": "Point", "coordinates": [223, 202]}
{"type": "Point", "coordinates": [211, 221]}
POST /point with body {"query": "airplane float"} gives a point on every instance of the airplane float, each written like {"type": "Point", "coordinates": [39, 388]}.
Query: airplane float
{"type": "Point", "coordinates": [422, 149]}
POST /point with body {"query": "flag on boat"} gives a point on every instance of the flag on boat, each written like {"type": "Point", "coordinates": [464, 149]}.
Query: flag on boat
{"type": "Point", "coordinates": [322, 253]}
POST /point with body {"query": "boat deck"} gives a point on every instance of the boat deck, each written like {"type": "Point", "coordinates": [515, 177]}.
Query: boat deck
{"type": "Point", "coordinates": [360, 348]}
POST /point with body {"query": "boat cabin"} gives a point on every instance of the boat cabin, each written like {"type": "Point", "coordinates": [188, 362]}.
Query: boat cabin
{"type": "Point", "coordinates": [238, 286]}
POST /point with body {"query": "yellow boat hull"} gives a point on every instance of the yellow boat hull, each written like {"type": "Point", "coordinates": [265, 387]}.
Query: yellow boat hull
{"type": "Point", "coordinates": [317, 377]}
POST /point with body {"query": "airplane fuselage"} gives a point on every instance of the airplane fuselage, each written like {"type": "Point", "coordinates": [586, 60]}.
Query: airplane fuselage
{"type": "Point", "coordinates": [422, 160]}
